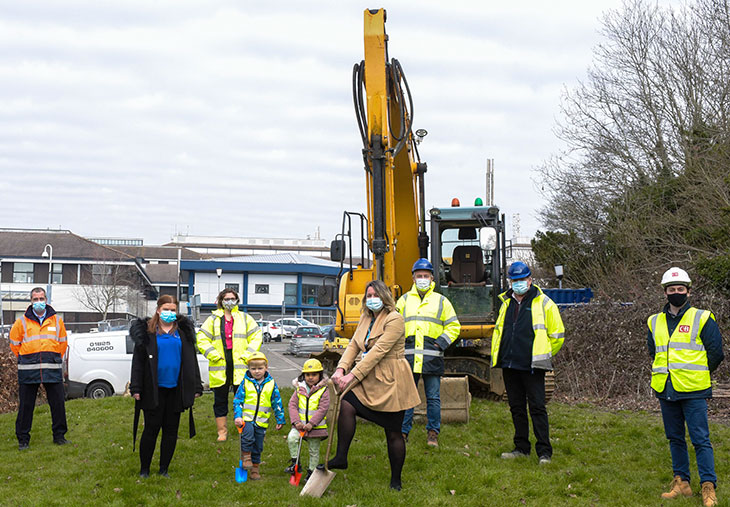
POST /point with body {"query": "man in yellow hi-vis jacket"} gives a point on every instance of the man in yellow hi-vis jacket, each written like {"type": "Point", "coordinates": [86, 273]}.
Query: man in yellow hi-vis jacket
{"type": "Point", "coordinates": [686, 346]}
{"type": "Point", "coordinates": [431, 326]}
{"type": "Point", "coordinates": [528, 332]}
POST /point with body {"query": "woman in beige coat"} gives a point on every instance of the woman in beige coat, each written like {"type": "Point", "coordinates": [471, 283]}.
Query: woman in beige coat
{"type": "Point", "coordinates": [384, 387]}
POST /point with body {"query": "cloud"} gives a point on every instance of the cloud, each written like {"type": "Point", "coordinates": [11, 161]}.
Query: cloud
{"type": "Point", "coordinates": [226, 118]}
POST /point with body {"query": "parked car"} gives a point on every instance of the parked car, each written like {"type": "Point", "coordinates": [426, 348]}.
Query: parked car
{"type": "Point", "coordinates": [290, 324]}
{"type": "Point", "coordinates": [99, 364]}
{"type": "Point", "coordinates": [270, 330]}
{"type": "Point", "coordinates": [328, 331]}
{"type": "Point", "coordinates": [305, 340]}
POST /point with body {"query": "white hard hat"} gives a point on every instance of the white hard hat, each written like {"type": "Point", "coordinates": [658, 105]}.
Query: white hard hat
{"type": "Point", "coordinates": [676, 276]}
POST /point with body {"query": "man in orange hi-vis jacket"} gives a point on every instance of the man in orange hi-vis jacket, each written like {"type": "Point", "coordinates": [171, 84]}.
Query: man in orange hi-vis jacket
{"type": "Point", "coordinates": [38, 340]}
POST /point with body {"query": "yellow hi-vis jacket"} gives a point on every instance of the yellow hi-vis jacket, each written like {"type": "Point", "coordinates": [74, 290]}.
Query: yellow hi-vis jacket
{"type": "Point", "coordinates": [682, 355]}
{"type": "Point", "coordinates": [546, 324]}
{"type": "Point", "coordinates": [211, 338]}
{"type": "Point", "coordinates": [309, 404]}
{"type": "Point", "coordinates": [255, 402]}
{"type": "Point", "coordinates": [431, 326]}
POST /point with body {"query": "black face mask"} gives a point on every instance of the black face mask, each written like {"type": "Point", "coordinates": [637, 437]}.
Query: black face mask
{"type": "Point", "coordinates": [677, 299]}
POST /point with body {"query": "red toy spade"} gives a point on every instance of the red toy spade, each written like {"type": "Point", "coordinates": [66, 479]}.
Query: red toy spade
{"type": "Point", "coordinates": [297, 475]}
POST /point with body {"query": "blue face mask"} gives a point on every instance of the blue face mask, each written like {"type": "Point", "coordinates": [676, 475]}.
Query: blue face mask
{"type": "Point", "coordinates": [374, 303]}
{"type": "Point", "coordinates": [168, 316]}
{"type": "Point", "coordinates": [520, 287]}
{"type": "Point", "coordinates": [39, 306]}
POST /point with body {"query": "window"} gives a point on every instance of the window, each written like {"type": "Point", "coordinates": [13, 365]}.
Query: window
{"type": "Point", "coordinates": [22, 272]}
{"type": "Point", "coordinates": [57, 273]}
{"type": "Point", "coordinates": [262, 289]}
{"type": "Point", "coordinates": [101, 269]}
{"type": "Point", "coordinates": [309, 294]}
{"type": "Point", "coordinates": [233, 286]}
{"type": "Point", "coordinates": [290, 293]}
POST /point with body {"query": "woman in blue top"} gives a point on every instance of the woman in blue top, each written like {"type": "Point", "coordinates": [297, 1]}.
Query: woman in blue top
{"type": "Point", "coordinates": [165, 380]}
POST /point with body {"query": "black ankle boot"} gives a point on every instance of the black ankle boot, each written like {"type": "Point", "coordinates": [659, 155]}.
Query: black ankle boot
{"type": "Point", "coordinates": [290, 468]}
{"type": "Point", "coordinates": [335, 464]}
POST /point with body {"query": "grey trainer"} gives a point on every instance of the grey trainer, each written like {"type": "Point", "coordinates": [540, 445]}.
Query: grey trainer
{"type": "Point", "coordinates": [513, 454]}
{"type": "Point", "coordinates": [544, 460]}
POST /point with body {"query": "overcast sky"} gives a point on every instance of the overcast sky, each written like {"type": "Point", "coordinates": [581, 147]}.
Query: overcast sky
{"type": "Point", "coordinates": [139, 118]}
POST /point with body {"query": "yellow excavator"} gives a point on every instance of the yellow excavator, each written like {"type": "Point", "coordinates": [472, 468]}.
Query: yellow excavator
{"type": "Point", "coordinates": [468, 244]}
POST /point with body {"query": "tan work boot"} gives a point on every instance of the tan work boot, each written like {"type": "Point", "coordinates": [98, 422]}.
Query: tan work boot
{"type": "Point", "coordinates": [433, 438]}
{"type": "Point", "coordinates": [220, 422]}
{"type": "Point", "coordinates": [246, 459]}
{"type": "Point", "coordinates": [678, 487]}
{"type": "Point", "coordinates": [708, 494]}
{"type": "Point", "coordinates": [254, 474]}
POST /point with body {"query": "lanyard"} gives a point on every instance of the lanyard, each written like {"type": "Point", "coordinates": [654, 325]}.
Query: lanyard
{"type": "Point", "coordinates": [367, 337]}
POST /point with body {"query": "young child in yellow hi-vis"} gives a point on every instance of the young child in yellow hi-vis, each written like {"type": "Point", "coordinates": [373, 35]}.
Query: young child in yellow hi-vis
{"type": "Point", "coordinates": [308, 412]}
{"type": "Point", "coordinates": [255, 399]}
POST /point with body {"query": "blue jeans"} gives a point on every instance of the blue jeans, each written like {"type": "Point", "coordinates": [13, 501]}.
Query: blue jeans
{"type": "Point", "coordinates": [252, 440]}
{"type": "Point", "coordinates": [694, 413]}
{"type": "Point", "coordinates": [432, 387]}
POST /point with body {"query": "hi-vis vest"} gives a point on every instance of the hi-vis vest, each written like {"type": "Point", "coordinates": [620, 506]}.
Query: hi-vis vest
{"type": "Point", "coordinates": [40, 349]}
{"type": "Point", "coordinates": [431, 326]}
{"type": "Point", "coordinates": [682, 355]}
{"type": "Point", "coordinates": [247, 339]}
{"type": "Point", "coordinates": [257, 404]}
{"type": "Point", "coordinates": [546, 324]}
{"type": "Point", "coordinates": [309, 405]}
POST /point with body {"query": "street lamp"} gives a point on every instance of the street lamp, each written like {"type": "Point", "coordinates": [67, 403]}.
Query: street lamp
{"type": "Point", "coordinates": [48, 253]}
{"type": "Point", "coordinates": [559, 274]}
{"type": "Point", "coordinates": [219, 272]}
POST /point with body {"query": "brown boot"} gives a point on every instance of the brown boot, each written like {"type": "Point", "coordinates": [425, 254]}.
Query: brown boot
{"type": "Point", "coordinates": [254, 474]}
{"type": "Point", "coordinates": [433, 438]}
{"type": "Point", "coordinates": [708, 494]}
{"type": "Point", "coordinates": [220, 422]}
{"type": "Point", "coordinates": [679, 487]}
{"type": "Point", "coordinates": [246, 458]}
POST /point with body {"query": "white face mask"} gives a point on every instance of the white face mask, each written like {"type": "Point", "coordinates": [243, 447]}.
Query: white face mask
{"type": "Point", "coordinates": [423, 284]}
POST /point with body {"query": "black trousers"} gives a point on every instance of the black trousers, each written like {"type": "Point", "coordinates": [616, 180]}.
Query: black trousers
{"type": "Point", "coordinates": [164, 417]}
{"type": "Point", "coordinates": [220, 393]}
{"type": "Point", "coordinates": [27, 394]}
{"type": "Point", "coordinates": [523, 388]}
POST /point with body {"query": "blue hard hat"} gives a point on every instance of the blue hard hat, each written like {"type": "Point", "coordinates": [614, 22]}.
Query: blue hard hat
{"type": "Point", "coordinates": [518, 270]}
{"type": "Point", "coordinates": [422, 263]}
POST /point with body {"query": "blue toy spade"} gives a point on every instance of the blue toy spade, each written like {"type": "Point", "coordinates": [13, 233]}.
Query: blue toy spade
{"type": "Point", "coordinates": [241, 473]}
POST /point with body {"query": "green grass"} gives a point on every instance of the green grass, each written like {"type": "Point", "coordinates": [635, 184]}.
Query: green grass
{"type": "Point", "coordinates": [599, 458]}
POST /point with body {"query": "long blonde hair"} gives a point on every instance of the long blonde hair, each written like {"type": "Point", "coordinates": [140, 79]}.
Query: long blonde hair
{"type": "Point", "coordinates": [382, 291]}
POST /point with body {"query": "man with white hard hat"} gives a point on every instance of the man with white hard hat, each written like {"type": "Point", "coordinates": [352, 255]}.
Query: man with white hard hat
{"type": "Point", "coordinates": [686, 345]}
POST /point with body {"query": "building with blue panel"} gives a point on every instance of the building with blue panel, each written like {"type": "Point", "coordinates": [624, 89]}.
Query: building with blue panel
{"type": "Point", "coordinates": [270, 285]}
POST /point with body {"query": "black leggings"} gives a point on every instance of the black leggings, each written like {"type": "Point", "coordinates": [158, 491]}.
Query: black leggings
{"type": "Point", "coordinates": [391, 422]}
{"type": "Point", "coordinates": [162, 417]}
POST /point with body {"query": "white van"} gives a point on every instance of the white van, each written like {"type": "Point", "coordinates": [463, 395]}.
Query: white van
{"type": "Point", "coordinates": [100, 364]}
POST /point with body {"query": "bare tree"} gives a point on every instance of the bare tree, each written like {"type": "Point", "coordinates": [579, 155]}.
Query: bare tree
{"type": "Point", "coordinates": [643, 180]}
{"type": "Point", "coordinates": [111, 286]}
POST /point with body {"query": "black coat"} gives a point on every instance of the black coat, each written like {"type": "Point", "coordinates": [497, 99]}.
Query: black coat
{"type": "Point", "coordinates": [144, 365]}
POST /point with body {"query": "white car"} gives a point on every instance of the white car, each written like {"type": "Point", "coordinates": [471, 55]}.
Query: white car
{"type": "Point", "coordinates": [290, 324]}
{"type": "Point", "coordinates": [100, 364]}
{"type": "Point", "coordinates": [270, 330]}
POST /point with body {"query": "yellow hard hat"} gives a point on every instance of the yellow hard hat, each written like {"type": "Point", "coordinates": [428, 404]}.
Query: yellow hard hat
{"type": "Point", "coordinates": [312, 366]}
{"type": "Point", "coordinates": [258, 356]}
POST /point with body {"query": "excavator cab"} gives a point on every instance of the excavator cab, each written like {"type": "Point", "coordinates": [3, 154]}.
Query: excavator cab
{"type": "Point", "coordinates": [469, 247]}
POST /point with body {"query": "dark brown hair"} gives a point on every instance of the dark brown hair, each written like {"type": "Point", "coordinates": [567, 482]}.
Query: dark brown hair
{"type": "Point", "coordinates": [222, 294]}
{"type": "Point", "coordinates": [155, 320]}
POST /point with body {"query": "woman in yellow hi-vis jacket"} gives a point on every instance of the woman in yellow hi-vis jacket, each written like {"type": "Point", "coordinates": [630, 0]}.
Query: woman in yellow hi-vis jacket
{"type": "Point", "coordinates": [227, 339]}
